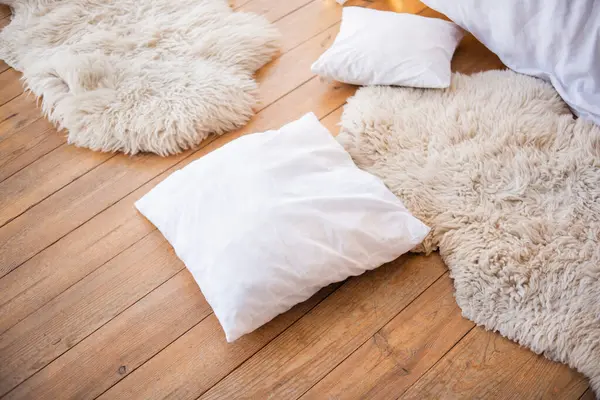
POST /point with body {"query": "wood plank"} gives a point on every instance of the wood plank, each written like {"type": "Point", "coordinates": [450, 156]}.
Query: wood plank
{"type": "Point", "coordinates": [31, 143]}
{"type": "Point", "coordinates": [43, 177]}
{"type": "Point", "coordinates": [331, 326]}
{"type": "Point", "coordinates": [82, 251]}
{"type": "Point", "coordinates": [299, 20]}
{"type": "Point", "coordinates": [283, 73]}
{"type": "Point", "coordinates": [139, 333]}
{"type": "Point", "coordinates": [10, 85]}
{"type": "Point", "coordinates": [272, 11]}
{"type": "Point", "coordinates": [38, 339]}
{"type": "Point", "coordinates": [75, 204]}
{"type": "Point", "coordinates": [146, 328]}
{"type": "Point", "coordinates": [301, 356]}
{"type": "Point", "coordinates": [295, 26]}
{"type": "Point", "coordinates": [87, 379]}
{"type": "Point", "coordinates": [83, 308]}
{"type": "Point", "coordinates": [548, 380]}
{"type": "Point", "coordinates": [487, 365]}
{"type": "Point", "coordinates": [332, 121]}
{"type": "Point", "coordinates": [393, 359]}
{"type": "Point", "coordinates": [212, 357]}
{"type": "Point", "coordinates": [18, 114]}
{"type": "Point", "coordinates": [330, 13]}
{"type": "Point", "coordinates": [47, 221]}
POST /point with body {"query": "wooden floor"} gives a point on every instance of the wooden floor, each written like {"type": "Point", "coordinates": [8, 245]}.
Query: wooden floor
{"type": "Point", "coordinates": [95, 304]}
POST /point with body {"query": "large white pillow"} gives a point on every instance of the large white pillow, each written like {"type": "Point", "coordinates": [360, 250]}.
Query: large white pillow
{"type": "Point", "coordinates": [267, 220]}
{"type": "Point", "coordinates": [387, 48]}
{"type": "Point", "coordinates": [556, 40]}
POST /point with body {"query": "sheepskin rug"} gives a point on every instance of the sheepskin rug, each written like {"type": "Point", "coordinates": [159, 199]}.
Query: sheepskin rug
{"type": "Point", "coordinates": [139, 75]}
{"type": "Point", "coordinates": [510, 184]}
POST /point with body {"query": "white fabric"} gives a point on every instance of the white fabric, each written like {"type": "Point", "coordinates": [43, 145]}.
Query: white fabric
{"type": "Point", "coordinates": [387, 48]}
{"type": "Point", "coordinates": [266, 221]}
{"type": "Point", "coordinates": [556, 40]}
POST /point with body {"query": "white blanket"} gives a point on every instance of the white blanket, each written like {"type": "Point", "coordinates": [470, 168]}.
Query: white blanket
{"type": "Point", "coordinates": [556, 40]}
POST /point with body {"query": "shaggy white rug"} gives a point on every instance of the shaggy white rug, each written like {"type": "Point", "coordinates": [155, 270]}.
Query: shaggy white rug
{"type": "Point", "coordinates": [139, 75]}
{"type": "Point", "coordinates": [510, 184]}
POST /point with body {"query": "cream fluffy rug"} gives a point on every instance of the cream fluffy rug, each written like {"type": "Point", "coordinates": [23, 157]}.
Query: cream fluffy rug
{"type": "Point", "coordinates": [510, 184]}
{"type": "Point", "coordinates": [139, 75]}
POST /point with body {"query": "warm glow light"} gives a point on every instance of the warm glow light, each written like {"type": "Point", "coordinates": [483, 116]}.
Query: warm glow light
{"type": "Point", "coordinates": [397, 5]}
{"type": "Point", "coordinates": [407, 6]}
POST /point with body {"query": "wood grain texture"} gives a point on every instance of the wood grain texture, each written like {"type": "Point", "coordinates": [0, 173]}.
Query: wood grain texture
{"type": "Point", "coordinates": [486, 365]}
{"type": "Point", "coordinates": [202, 357]}
{"type": "Point", "coordinates": [396, 356]}
{"type": "Point", "coordinates": [331, 121]}
{"type": "Point", "coordinates": [75, 204]}
{"type": "Point", "coordinates": [17, 114]}
{"type": "Point", "coordinates": [295, 25]}
{"type": "Point", "coordinates": [301, 356]}
{"type": "Point", "coordinates": [46, 175]}
{"type": "Point", "coordinates": [10, 85]}
{"type": "Point", "coordinates": [153, 380]}
{"type": "Point", "coordinates": [81, 252]}
{"type": "Point", "coordinates": [126, 342]}
{"type": "Point", "coordinates": [32, 143]}
{"type": "Point", "coordinates": [272, 11]}
{"type": "Point", "coordinates": [67, 319]}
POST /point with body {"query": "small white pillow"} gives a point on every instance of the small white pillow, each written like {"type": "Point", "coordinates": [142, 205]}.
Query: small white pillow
{"type": "Point", "coordinates": [267, 220]}
{"type": "Point", "coordinates": [387, 48]}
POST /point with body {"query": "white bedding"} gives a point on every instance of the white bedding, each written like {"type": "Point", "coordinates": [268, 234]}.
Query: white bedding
{"type": "Point", "coordinates": [556, 40]}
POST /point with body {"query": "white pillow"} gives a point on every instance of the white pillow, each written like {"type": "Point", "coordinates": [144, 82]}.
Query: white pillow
{"type": "Point", "coordinates": [556, 40]}
{"type": "Point", "coordinates": [387, 48]}
{"type": "Point", "coordinates": [267, 220]}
